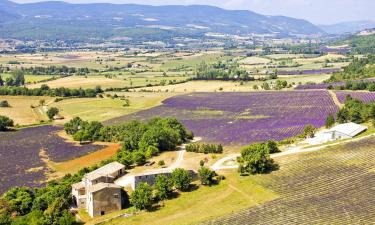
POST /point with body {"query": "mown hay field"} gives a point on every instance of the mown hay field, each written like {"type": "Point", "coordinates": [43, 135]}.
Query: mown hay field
{"type": "Point", "coordinates": [93, 81]}
{"type": "Point", "coordinates": [20, 110]}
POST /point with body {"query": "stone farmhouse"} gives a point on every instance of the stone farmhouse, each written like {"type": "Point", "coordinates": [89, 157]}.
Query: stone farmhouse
{"type": "Point", "coordinates": [97, 192]}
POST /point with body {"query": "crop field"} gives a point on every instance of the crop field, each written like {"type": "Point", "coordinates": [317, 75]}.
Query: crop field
{"type": "Point", "coordinates": [22, 154]}
{"type": "Point", "coordinates": [29, 79]}
{"type": "Point", "coordinates": [363, 96]}
{"type": "Point", "coordinates": [330, 186]}
{"type": "Point", "coordinates": [93, 81]}
{"type": "Point", "coordinates": [192, 61]}
{"type": "Point", "coordinates": [101, 109]}
{"type": "Point", "coordinates": [20, 109]}
{"type": "Point", "coordinates": [243, 118]}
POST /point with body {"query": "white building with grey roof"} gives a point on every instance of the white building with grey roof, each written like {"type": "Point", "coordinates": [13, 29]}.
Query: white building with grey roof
{"type": "Point", "coordinates": [97, 191]}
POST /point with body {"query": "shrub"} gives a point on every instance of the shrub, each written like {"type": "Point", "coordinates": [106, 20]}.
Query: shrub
{"type": "Point", "coordinates": [52, 112]}
{"type": "Point", "coordinates": [5, 123]}
{"type": "Point", "coordinates": [161, 163]}
{"type": "Point", "coordinates": [4, 104]}
{"type": "Point", "coordinates": [330, 121]}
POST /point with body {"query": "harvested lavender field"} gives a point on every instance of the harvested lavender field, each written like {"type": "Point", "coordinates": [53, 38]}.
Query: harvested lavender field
{"type": "Point", "coordinates": [20, 160]}
{"type": "Point", "coordinates": [243, 118]}
{"type": "Point", "coordinates": [331, 186]}
{"type": "Point", "coordinates": [363, 96]}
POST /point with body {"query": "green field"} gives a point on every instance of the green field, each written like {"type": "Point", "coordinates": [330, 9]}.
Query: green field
{"type": "Point", "coordinates": [30, 78]}
{"type": "Point", "coordinates": [98, 109]}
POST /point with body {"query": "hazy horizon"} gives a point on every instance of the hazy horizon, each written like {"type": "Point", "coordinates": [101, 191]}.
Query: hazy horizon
{"type": "Point", "coordinates": [315, 11]}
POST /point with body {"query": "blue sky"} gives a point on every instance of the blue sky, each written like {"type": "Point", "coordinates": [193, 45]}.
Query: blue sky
{"type": "Point", "coordinates": [316, 11]}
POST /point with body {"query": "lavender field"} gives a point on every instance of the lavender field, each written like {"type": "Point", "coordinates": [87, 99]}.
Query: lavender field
{"type": "Point", "coordinates": [305, 72]}
{"type": "Point", "coordinates": [363, 96]}
{"type": "Point", "coordinates": [243, 118]}
{"type": "Point", "coordinates": [20, 160]}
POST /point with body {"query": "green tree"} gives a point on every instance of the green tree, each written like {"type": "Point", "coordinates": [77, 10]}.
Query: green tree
{"type": "Point", "coordinates": [255, 159]}
{"type": "Point", "coordinates": [330, 121]}
{"type": "Point", "coordinates": [20, 199]}
{"type": "Point", "coordinates": [142, 197]}
{"type": "Point", "coordinates": [206, 175]}
{"type": "Point", "coordinates": [139, 158]}
{"type": "Point", "coordinates": [4, 104]}
{"type": "Point", "coordinates": [66, 218]}
{"type": "Point", "coordinates": [51, 112]}
{"type": "Point", "coordinates": [56, 210]}
{"type": "Point", "coordinates": [18, 77]}
{"type": "Point", "coordinates": [5, 123]}
{"type": "Point", "coordinates": [181, 179]}
{"type": "Point", "coordinates": [163, 187]}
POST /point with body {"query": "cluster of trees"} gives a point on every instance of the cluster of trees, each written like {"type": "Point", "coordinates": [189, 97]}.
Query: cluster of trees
{"type": "Point", "coordinates": [140, 141]}
{"type": "Point", "coordinates": [256, 158]}
{"type": "Point", "coordinates": [48, 205]}
{"type": "Point", "coordinates": [17, 78]}
{"type": "Point", "coordinates": [356, 111]}
{"type": "Point", "coordinates": [204, 148]}
{"type": "Point", "coordinates": [360, 85]}
{"type": "Point", "coordinates": [358, 69]}
{"type": "Point", "coordinates": [363, 44]}
{"type": "Point", "coordinates": [5, 123]}
{"type": "Point", "coordinates": [145, 196]}
{"type": "Point", "coordinates": [221, 71]}
{"type": "Point", "coordinates": [44, 90]}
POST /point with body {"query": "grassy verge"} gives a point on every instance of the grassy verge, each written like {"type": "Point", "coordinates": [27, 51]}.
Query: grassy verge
{"type": "Point", "coordinates": [205, 203]}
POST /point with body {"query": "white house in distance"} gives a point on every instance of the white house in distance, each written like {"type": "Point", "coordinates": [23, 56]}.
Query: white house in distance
{"type": "Point", "coordinates": [339, 132]}
{"type": "Point", "coordinates": [345, 130]}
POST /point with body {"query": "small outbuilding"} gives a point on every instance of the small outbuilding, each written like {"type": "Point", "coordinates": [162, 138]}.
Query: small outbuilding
{"type": "Point", "coordinates": [345, 130]}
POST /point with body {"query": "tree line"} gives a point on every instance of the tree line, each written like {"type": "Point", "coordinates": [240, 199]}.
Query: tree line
{"type": "Point", "coordinates": [44, 90]}
{"type": "Point", "coordinates": [49, 70]}
{"type": "Point", "coordinates": [356, 85]}
{"type": "Point", "coordinates": [204, 148]}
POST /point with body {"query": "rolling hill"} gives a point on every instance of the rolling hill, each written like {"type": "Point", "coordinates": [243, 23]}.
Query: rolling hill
{"type": "Point", "coordinates": [348, 27]}
{"type": "Point", "coordinates": [60, 20]}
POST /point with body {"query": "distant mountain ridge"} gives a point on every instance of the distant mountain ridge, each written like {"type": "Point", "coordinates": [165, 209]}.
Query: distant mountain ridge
{"type": "Point", "coordinates": [101, 20]}
{"type": "Point", "coordinates": [348, 27]}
